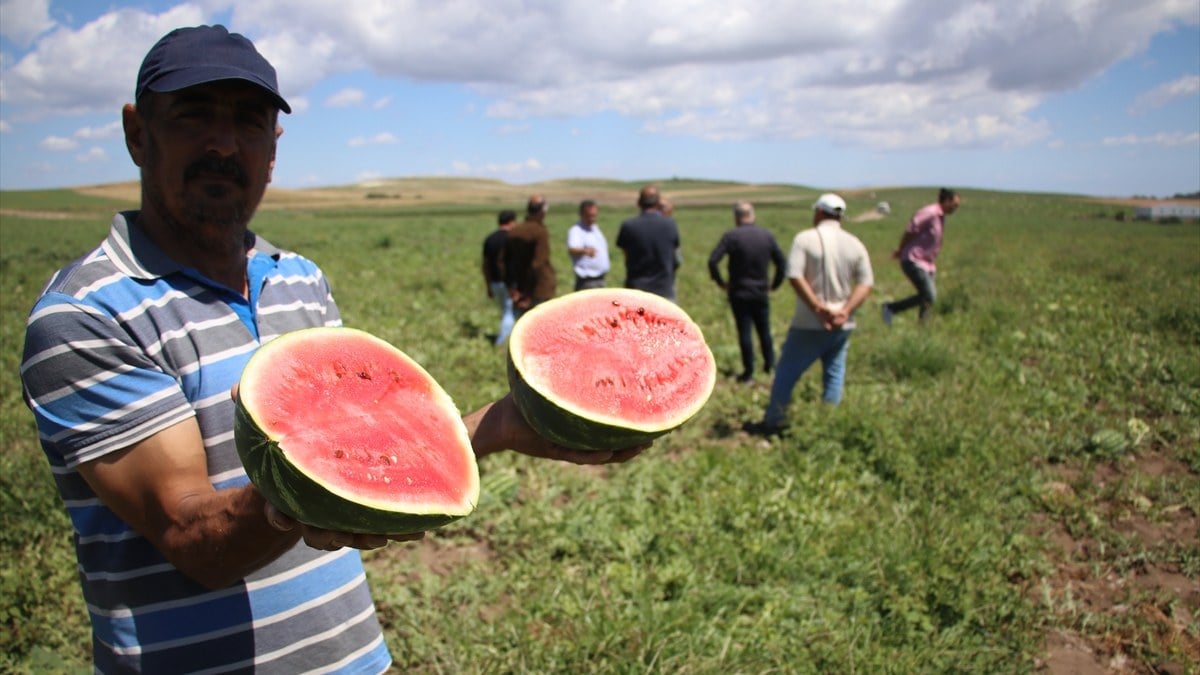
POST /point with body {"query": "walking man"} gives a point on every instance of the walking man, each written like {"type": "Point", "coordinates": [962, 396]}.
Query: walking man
{"type": "Point", "coordinates": [751, 250]}
{"type": "Point", "coordinates": [918, 252]}
{"type": "Point", "coordinates": [830, 271]}
{"type": "Point", "coordinates": [493, 274]}
{"type": "Point", "coordinates": [588, 248]}
{"type": "Point", "coordinates": [528, 272]}
{"type": "Point", "coordinates": [650, 242]}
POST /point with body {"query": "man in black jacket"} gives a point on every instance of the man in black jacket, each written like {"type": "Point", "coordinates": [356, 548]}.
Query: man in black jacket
{"type": "Point", "coordinates": [751, 250]}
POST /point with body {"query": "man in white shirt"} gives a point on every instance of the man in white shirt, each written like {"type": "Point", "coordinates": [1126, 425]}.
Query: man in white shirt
{"type": "Point", "coordinates": [588, 248]}
{"type": "Point", "coordinates": [830, 270]}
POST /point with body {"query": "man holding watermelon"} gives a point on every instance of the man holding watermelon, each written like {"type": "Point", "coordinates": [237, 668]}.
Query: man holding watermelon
{"type": "Point", "coordinates": [130, 356]}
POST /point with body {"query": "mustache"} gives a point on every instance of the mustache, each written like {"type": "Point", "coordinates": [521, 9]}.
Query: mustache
{"type": "Point", "coordinates": [227, 167]}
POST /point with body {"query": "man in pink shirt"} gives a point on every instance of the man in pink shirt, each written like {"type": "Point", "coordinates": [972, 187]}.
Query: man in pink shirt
{"type": "Point", "coordinates": [917, 253]}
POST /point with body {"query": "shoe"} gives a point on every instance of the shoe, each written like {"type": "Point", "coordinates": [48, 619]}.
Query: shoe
{"type": "Point", "coordinates": [745, 378]}
{"type": "Point", "coordinates": [762, 429]}
{"type": "Point", "coordinates": [887, 314]}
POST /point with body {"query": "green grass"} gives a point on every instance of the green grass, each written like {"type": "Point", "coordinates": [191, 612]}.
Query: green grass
{"type": "Point", "coordinates": [891, 534]}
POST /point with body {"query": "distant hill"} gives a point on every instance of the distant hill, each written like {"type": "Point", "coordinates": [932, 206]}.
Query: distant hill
{"type": "Point", "coordinates": [448, 192]}
{"type": "Point", "coordinates": [440, 191]}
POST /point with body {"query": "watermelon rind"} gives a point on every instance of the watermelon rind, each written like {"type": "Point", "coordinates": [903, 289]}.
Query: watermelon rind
{"type": "Point", "coordinates": [572, 425]}
{"type": "Point", "coordinates": [305, 497]}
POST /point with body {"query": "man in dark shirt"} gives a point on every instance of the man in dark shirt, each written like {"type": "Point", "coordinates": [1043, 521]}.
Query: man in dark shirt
{"type": "Point", "coordinates": [528, 272]}
{"type": "Point", "coordinates": [493, 275]}
{"type": "Point", "coordinates": [751, 250]}
{"type": "Point", "coordinates": [650, 242]}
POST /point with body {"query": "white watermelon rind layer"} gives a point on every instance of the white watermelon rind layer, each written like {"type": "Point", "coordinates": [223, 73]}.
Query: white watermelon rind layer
{"type": "Point", "coordinates": [305, 497]}
{"type": "Point", "coordinates": [573, 426]}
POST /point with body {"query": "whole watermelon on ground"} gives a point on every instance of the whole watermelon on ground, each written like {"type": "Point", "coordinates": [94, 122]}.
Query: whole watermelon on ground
{"type": "Point", "coordinates": [341, 430]}
{"type": "Point", "coordinates": [609, 368]}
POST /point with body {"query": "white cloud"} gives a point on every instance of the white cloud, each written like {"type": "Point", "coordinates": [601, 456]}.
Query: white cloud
{"type": "Point", "coordinates": [24, 20]}
{"type": "Point", "coordinates": [58, 143]}
{"type": "Point", "coordinates": [497, 169]}
{"type": "Point", "coordinates": [871, 77]}
{"type": "Point", "coordinates": [5, 127]}
{"type": "Point", "coordinates": [1165, 140]}
{"type": "Point", "coordinates": [1184, 87]}
{"type": "Point", "coordinates": [381, 103]}
{"type": "Point", "coordinates": [92, 155]}
{"type": "Point", "coordinates": [111, 130]}
{"type": "Point", "coordinates": [92, 68]}
{"type": "Point", "coordinates": [299, 104]}
{"type": "Point", "coordinates": [383, 138]}
{"type": "Point", "coordinates": [346, 98]}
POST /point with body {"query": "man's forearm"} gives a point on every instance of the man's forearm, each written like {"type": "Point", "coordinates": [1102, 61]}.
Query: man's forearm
{"type": "Point", "coordinates": [221, 537]}
{"type": "Point", "coordinates": [857, 297]}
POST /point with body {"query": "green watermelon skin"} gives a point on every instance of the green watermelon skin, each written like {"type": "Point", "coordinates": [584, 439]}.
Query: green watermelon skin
{"type": "Point", "coordinates": [567, 429]}
{"type": "Point", "coordinates": [304, 499]}
{"type": "Point", "coordinates": [608, 369]}
{"type": "Point", "coordinates": [340, 430]}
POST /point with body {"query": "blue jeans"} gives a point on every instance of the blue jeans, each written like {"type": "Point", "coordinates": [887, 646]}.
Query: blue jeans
{"type": "Point", "coordinates": [753, 315]}
{"type": "Point", "coordinates": [922, 280]}
{"type": "Point", "coordinates": [801, 349]}
{"type": "Point", "coordinates": [502, 298]}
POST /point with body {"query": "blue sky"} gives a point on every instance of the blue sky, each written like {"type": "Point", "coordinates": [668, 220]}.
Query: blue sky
{"type": "Point", "coordinates": [1097, 97]}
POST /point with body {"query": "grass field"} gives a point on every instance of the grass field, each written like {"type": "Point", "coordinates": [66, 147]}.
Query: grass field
{"type": "Point", "coordinates": [1010, 488]}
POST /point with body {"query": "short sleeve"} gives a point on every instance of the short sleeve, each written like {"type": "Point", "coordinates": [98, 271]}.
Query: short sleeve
{"type": "Point", "coordinates": [92, 391]}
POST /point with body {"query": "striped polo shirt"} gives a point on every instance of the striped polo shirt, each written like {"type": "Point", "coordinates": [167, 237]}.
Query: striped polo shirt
{"type": "Point", "coordinates": [125, 342]}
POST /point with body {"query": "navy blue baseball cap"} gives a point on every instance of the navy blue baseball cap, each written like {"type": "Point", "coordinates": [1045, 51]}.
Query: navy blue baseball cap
{"type": "Point", "coordinates": [186, 57]}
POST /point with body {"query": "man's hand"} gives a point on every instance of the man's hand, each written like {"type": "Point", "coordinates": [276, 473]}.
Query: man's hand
{"type": "Point", "coordinates": [500, 426]}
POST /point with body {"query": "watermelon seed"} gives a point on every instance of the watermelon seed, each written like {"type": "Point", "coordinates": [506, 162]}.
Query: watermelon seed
{"type": "Point", "coordinates": [616, 304]}
{"type": "Point", "coordinates": [613, 322]}
{"type": "Point", "coordinates": [364, 375]}
{"type": "Point", "coordinates": [641, 310]}
{"type": "Point", "coordinates": [339, 454]}
{"type": "Point", "coordinates": [384, 459]}
{"type": "Point", "coordinates": [387, 479]}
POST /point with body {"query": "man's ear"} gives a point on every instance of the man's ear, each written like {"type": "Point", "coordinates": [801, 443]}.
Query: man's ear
{"type": "Point", "coordinates": [135, 133]}
{"type": "Point", "coordinates": [271, 165]}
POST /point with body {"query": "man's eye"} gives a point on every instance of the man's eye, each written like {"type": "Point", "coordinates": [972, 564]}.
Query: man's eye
{"type": "Point", "coordinates": [256, 120]}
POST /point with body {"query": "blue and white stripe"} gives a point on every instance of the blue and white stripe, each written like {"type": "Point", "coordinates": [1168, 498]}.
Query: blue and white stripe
{"type": "Point", "coordinates": [124, 343]}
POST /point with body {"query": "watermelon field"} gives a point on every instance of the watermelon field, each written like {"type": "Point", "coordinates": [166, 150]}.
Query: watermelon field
{"type": "Point", "coordinates": [1012, 487]}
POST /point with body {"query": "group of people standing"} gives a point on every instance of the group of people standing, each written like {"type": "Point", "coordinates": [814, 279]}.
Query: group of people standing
{"type": "Point", "coordinates": [519, 274]}
{"type": "Point", "coordinates": [828, 268]}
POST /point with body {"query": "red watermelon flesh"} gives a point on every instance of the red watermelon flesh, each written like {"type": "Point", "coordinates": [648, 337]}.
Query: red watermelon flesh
{"type": "Point", "coordinates": [344, 429]}
{"type": "Point", "coordinates": [609, 368]}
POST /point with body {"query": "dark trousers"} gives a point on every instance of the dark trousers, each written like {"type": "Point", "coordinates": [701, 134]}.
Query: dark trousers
{"type": "Point", "coordinates": [926, 293]}
{"type": "Point", "coordinates": [583, 283]}
{"type": "Point", "coordinates": [753, 315]}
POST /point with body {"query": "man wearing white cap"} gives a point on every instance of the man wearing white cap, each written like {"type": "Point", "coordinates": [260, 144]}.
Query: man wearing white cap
{"type": "Point", "coordinates": [830, 271]}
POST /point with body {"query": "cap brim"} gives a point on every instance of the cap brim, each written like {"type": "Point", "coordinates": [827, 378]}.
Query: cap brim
{"type": "Point", "coordinates": [193, 76]}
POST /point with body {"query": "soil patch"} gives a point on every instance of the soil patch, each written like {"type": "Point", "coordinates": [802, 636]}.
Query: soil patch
{"type": "Point", "coordinates": [1111, 599]}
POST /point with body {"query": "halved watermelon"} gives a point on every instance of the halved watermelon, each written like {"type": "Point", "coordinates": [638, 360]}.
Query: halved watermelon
{"type": "Point", "coordinates": [608, 368]}
{"type": "Point", "coordinates": [341, 430]}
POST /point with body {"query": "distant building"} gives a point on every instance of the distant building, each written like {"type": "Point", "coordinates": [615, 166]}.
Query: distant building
{"type": "Point", "coordinates": [1160, 210]}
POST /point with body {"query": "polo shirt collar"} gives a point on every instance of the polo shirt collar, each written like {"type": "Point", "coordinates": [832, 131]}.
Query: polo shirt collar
{"type": "Point", "coordinates": [132, 251]}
